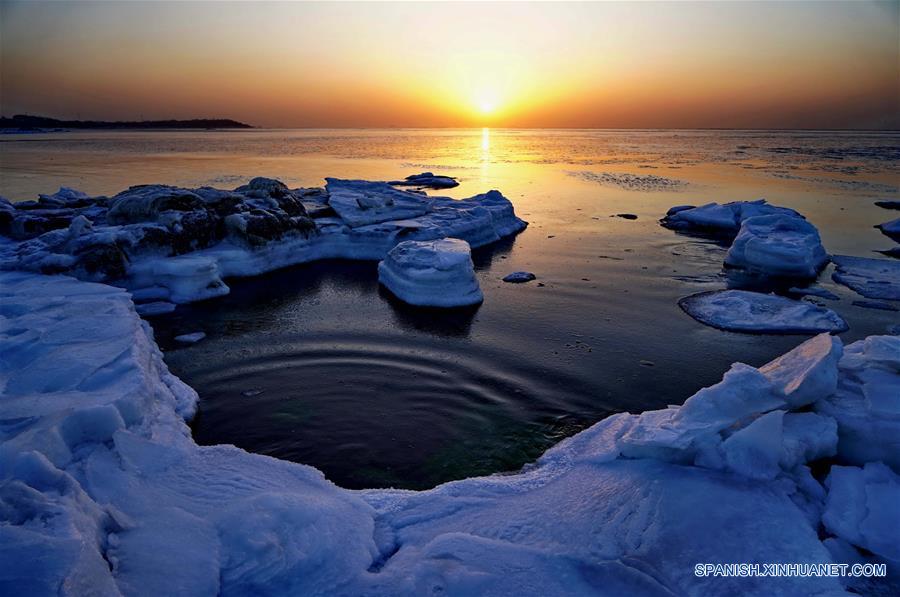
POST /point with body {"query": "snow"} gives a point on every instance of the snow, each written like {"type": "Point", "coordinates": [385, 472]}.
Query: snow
{"type": "Point", "coordinates": [753, 312]}
{"type": "Point", "coordinates": [426, 180]}
{"type": "Point", "coordinates": [891, 229]}
{"type": "Point", "coordinates": [872, 278]}
{"type": "Point", "coordinates": [723, 218]}
{"type": "Point", "coordinates": [103, 491]}
{"type": "Point", "coordinates": [437, 273]}
{"type": "Point", "coordinates": [778, 245]}
{"type": "Point", "coordinates": [519, 277]}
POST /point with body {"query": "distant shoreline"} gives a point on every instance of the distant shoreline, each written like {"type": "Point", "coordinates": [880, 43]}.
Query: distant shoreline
{"type": "Point", "coordinates": [26, 123]}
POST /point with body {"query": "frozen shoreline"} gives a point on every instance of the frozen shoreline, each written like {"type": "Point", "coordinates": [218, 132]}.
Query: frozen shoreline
{"type": "Point", "coordinates": [104, 490]}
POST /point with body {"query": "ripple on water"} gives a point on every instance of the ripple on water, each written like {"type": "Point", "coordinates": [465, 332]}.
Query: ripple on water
{"type": "Point", "coordinates": [378, 412]}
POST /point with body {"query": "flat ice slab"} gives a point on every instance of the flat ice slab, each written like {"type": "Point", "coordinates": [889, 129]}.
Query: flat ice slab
{"type": "Point", "coordinates": [872, 278]}
{"type": "Point", "coordinates": [778, 245]}
{"type": "Point", "coordinates": [436, 273]}
{"type": "Point", "coordinates": [754, 312]}
{"type": "Point", "coordinates": [361, 202]}
{"type": "Point", "coordinates": [723, 218]}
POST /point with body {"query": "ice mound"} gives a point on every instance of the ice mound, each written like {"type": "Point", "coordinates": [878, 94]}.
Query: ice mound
{"type": "Point", "coordinates": [753, 312]}
{"type": "Point", "coordinates": [103, 491]}
{"type": "Point", "coordinates": [178, 245]}
{"type": "Point", "coordinates": [891, 229]}
{"type": "Point", "coordinates": [723, 218]}
{"type": "Point", "coordinates": [778, 245]}
{"type": "Point", "coordinates": [437, 273]}
{"type": "Point", "coordinates": [872, 278]}
{"type": "Point", "coordinates": [426, 180]}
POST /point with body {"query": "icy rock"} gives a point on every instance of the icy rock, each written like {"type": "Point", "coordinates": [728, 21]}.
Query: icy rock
{"type": "Point", "coordinates": [155, 308]}
{"type": "Point", "coordinates": [145, 203]}
{"type": "Point", "coordinates": [872, 278]}
{"type": "Point", "coordinates": [807, 373]}
{"type": "Point", "coordinates": [721, 218]}
{"type": "Point", "coordinates": [519, 277]}
{"type": "Point", "coordinates": [778, 245]}
{"type": "Point", "coordinates": [863, 508]}
{"type": "Point", "coordinates": [437, 273]}
{"type": "Point", "coordinates": [752, 312]}
{"type": "Point", "coordinates": [891, 229]}
{"type": "Point", "coordinates": [866, 404]}
{"type": "Point", "coordinates": [191, 338]}
{"type": "Point", "coordinates": [188, 278]}
{"type": "Point", "coordinates": [426, 179]}
{"type": "Point", "coordinates": [360, 202]}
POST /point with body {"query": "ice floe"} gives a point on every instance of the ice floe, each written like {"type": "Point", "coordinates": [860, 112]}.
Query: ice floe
{"type": "Point", "coordinates": [436, 273]}
{"type": "Point", "coordinates": [103, 491]}
{"type": "Point", "coordinates": [891, 229]}
{"type": "Point", "coordinates": [778, 245]}
{"type": "Point", "coordinates": [723, 218]}
{"type": "Point", "coordinates": [179, 245]}
{"type": "Point", "coordinates": [872, 278]}
{"type": "Point", "coordinates": [426, 180]}
{"type": "Point", "coordinates": [191, 338]}
{"type": "Point", "coordinates": [754, 312]}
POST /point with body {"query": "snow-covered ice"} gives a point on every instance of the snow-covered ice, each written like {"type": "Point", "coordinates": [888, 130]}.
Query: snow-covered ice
{"type": "Point", "coordinates": [103, 491]}
{"type": "Point", "coordinates": [723, 218]}
{"type": "Point", "coordinates": [778, 245]}
{"type": "Point", "coordinates": [872, 278]}
{"type": "Point", "coordinates": [436, 273]}
{"type": "Point", "coordinates": [754, 312]}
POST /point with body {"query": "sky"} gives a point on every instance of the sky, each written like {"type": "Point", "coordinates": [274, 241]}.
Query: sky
{"type": "Point", "coordinates": [449, 64]}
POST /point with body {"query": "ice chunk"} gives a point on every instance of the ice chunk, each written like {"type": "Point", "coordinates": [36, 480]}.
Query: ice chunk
{"type": "Point", "coordinates": [888, 204]}
{"type": "Point", "coordinates": [519, 277]}
{"type": "Point", "coordinates": [872, 278]}
{"type": "Point", "coordinates": [427, 179]}
{"type": "Point", "coordinates": [752, 312]}
{"type": "Point", "coordinates": [437, 273]}
{"type": "Point", "coordinates": [361, 202]}
{"type": "Point", "coordinates": [721, 218]}
{"type": "Point", "coordinates": [755, 450]}
{"type": "Point", "coordinates": [808, 372]}
{"type": "Point", "coordinates": [191, 338]}
{"type": "Point", "coordinates": [817, 291]}
{"type": "Point", "coordinates": [891, 229]}
{"type": "Point", "coordinates": [188, 278]}
{"type": "Point", "coordinates": [154, 308]}
{"type": "Point", "coordinates": [806, 437]}
{"type": "Point", "coordinates": [863, 507]}
{"type": "Point", "coordinates": [778, 245]}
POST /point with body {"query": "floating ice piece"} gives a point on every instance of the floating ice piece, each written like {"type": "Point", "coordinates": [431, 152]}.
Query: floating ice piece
{"type": "Point", "coordinates": [426, 179]}
{"type": "Point", "coordinates": [361, 202]}
{"type": "Point", "coordinates": [436, 273]}
{"type": "Point", "coordinates": [721, 218]}
{"type": "Point", "coordinates": [191, 338]}
{"type": "Point", "coordinates": [872, 278]}
{"type": "Point", "coordinates": [519, 277]}
{"type": "Point", "coordinates": [863, 507]}
{"type": "Point", "coordinates": [753, 312]}
{"type": "Point", "coordinates": [879, 305]}
{"type": "Point", "coordinates": [814, 291]}
{"type": "Point", "coordinates": [155, 308]}
{"type": "Point", "coordinates": [891, 229]}
{"type": "Point", "coordinates": [807, 373]}
{"type": "Point", "coordinates": [866, 404]}
{"type": "Point", "coordinates": [778, 245]}
{"type": "Point", "coordinates": [888, 204]}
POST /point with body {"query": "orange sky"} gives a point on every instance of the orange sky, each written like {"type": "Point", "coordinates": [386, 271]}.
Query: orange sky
{"type": "Point", "coordinates": [641, 64]}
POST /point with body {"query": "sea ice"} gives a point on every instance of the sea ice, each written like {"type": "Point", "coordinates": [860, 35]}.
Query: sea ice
{"type": "Point", "coordinates": [872, 278]}
{"type": "Point", "coordinates": [814, 291]}
{"type": "Point", "coordinates": [519, 277]}
{"type": "Point", "coordinates": [426, 179]}
{"type": "Point", "coordinates": [891, 229]}
{"type": "Point", "coordinates": [360, 202]}
{"type": "Point", "coordinates": [721, 218]}
{"type": "Point", "coordinates": [888, 204]}
{"type": "Point", "coordinates": [778, 245]}
{"type": "Point", "coordinates": [154, 308]}
{"type": "Point", "coordinates": [191, 338]}
{"type": "Point", "coordinates": [753, 312]}
{"type": "Point", "coordinates": [437, 273]}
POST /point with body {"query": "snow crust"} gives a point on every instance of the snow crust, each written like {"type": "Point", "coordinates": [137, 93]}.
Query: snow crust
{"type": "Point", "coordinates": [754, 312]}
{"type": "Point", "coordinates": [437, 273]}
{"type": "Point", "coordinates": [103, 491]}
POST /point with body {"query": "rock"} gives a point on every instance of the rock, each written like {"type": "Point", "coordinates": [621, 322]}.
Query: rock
{"type": "Point", "coordinates": [519, 277]}
{"type": "Point", "coordinates": [872, 278]}
{"type": "Point", "coordinates": [437, 273]}
{"type": "Point", "coordinates": [145, 203]}
{"type": "Point", "coordinates": [753, 312]}
{"type": "Point", "coordinates": [427, 179]}
{"type": "Point", "coordinates": [778, 245]}
{"type": "Point", "coordinates": [627, 216]}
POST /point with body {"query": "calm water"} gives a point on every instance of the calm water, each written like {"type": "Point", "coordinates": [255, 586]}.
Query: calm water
{"type": "Point", "coordinates": [315, 364]}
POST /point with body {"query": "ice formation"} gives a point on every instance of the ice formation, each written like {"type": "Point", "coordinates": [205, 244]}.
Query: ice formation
{"type": "Point", "coordinates": [778, 245]}
{"type": "Point", "coordinates": [191, 338]}
{"type": "Point", "coordinates": [888, 204]}
{"type": "Point", "coordinates": [891, 229]}
{"type": "Point", "coordinates": [178, 245]}
{"type": "Point", "coordinates": [872, 278]}
{"type": "Point", "coordinates": [745, 311]}
{"type": "Point", "coordinates": [436, 273]}
{"type": "Point", "coordinates": [723, 218]}
{"type": "Point", "coordinates": [103, 491]}
{"type": "Point", "coordinates": [426, 180]}
{"type": "Point", "coordinates": [519, 277]}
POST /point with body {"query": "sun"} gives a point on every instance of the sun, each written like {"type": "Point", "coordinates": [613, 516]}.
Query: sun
{"type": "Point", "coordinates": [486, 107]}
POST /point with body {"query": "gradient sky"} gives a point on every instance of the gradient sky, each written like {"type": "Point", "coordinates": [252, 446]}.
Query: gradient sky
{"type": "Point", "coordinates": [640, 64]}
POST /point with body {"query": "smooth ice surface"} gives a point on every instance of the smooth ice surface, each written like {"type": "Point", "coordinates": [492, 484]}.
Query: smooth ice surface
{"type": "Point", "coordinates": [437, 273]}
{"type": "Point", "coordinates": [753, 312]}
{"type": "Point", "coordinates": [778, 245]}
{"type": "Point", "coordinates": [872, 278]}
{"type": "Point", "coordinates": [723, 218]}
{"type": "Point", "coordinates": [102, 489]}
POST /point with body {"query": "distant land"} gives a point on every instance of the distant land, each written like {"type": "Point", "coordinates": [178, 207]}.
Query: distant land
{"type": "Point", "coordinates": [26, 122]}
